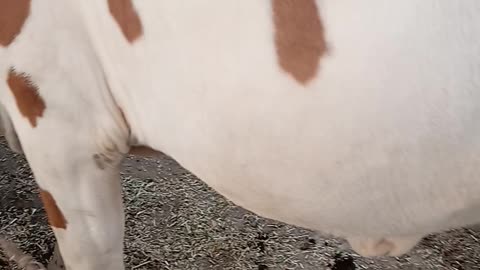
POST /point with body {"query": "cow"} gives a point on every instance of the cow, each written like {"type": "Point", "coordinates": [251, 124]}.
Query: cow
{"type": "Point", "coordinates": [354, 119]}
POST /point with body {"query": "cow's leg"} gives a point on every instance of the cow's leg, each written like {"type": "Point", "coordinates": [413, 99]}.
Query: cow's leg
{"type": "Point", "coordinates": [13, 253]}
{"type": "Point", "coordinates": [6, 129]}
{"type": "Point", "coordinates": [75, 159]}
{"type": "Point", "coordinates": [81, 192]}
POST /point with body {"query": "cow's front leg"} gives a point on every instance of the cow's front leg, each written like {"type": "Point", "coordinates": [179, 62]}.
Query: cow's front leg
{"type": "Point", "coordinates": [81, 193]}
{"type": "Point", "coordinates": [75, 161]}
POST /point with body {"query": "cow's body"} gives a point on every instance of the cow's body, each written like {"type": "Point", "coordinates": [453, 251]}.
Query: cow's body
{"type": "Point", "coordinates": [380, 146]}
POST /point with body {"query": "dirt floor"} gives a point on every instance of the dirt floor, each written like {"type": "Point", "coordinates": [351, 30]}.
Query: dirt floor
{"type": "Point", "coordinates": [175, 222]}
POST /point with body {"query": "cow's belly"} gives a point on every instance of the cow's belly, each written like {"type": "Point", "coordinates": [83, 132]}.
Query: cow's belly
{"type": "Point", "coordinates": [359, 182]}
{"type": "Point", "coordinates": [366, 182]}
{"type": "Point", "coordinates": [350, 169]}
{"type": "Point", "coordinates": [383, 141]}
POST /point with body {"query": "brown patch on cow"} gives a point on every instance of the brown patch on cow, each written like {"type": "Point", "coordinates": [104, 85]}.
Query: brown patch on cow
{"type": "Point", "coordinates": [127, 18]}
{"type": "Point", "coordinates": [55, 216]}
{"type": "Point", "coordinates": [144, 151]}
{"type": "Point", "coordinates": [13, 14]}
{"type": "Point", "coordinates": [299, 37]}
{"type": "Point", "coordinates": [29, 102]}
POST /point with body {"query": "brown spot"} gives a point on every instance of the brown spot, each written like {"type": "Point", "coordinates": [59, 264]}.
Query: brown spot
{"type": "Point", "coordinates": [55, 216]}
{"type": "Point", "coordinates": [29, 103]}
{"type": "Point", "coordinates": [127, 18]}
{"type": "Point", "coordinates": [145, 151]}
{"type": "Point", "coordinates": [299, 37]}
{"type": "Point", "coordinates": [13, 14]}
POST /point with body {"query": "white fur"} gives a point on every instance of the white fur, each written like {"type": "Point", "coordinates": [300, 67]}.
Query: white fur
{"type": "Point", "coordinates": [382, 147]}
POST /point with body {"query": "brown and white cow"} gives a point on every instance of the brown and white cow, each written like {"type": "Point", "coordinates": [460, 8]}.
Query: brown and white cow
{"type": "Point", "coordinates": [352, 118]}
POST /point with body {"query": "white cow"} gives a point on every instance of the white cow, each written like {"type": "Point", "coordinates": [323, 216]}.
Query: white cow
{"type": "Point", "coordinates": [355, 118]}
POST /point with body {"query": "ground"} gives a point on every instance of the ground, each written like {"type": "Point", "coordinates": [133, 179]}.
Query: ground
{"type": "Point", "coordinates": [174, 221]}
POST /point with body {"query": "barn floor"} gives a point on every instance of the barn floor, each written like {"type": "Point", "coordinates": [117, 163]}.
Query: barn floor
{"type": "Point", "coordinates": [176, 222]}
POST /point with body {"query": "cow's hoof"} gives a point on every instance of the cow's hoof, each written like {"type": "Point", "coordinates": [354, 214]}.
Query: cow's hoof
{"type": "Point", "coordinates": [387, 246]}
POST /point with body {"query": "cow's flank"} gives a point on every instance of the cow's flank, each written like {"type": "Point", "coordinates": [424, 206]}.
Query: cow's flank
{"type": "Point", "coordinates": [55, 216]}
{"type": "Point", "coordinates": [13, 14]}
{"type": "Point", "coordinates": [299, 37]}
{"type": "Point", "coordinates": [28, 100]}
{"type": "Point", "coordinates": [127, 18]}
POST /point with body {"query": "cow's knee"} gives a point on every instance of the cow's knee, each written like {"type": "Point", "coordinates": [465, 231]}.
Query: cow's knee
{"type": "Point", "coordinates": [383, 246]}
